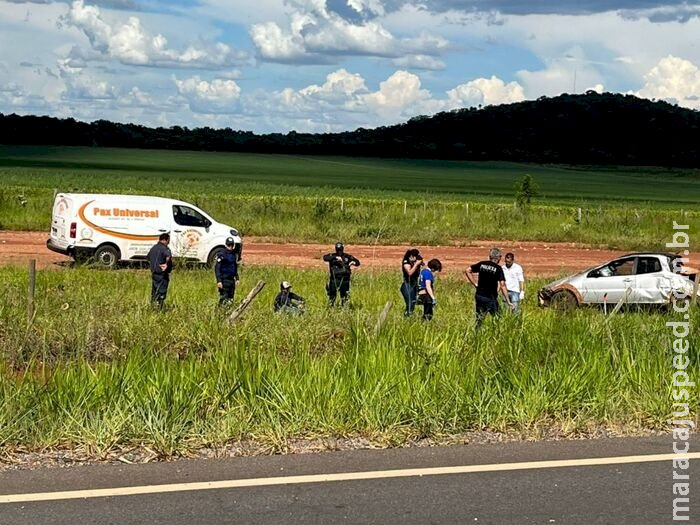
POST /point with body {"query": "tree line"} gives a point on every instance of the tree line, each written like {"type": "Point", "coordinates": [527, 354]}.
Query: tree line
{"type": "Point", "coordinates": [596, 129]}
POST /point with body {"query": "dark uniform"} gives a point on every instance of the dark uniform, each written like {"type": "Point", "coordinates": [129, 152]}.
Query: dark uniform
{"type": "Point", "coordinates": [288, 301]}
{"type": "Point", "coordinates": [160, 279]}
{"type": "Point", "coordinates": [226, 270]}
{"type": "Point", "coordinates": [339, 264]}
{"type": "Point", "coordinates": [490, 276]}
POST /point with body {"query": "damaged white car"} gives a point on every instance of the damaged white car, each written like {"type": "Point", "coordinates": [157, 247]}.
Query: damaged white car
{"type": "Point", "coordinates": [636, 278]}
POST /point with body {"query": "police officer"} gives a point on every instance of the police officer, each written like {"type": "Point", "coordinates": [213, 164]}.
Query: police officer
{"type": "Point", "coordinates": [340, 265]}
{"type": "Point", "coordinates": [160, 259]}
{"type": "Point", "coordinates": [226, 271]}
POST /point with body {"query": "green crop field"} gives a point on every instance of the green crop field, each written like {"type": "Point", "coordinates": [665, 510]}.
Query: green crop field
{"type": "Point", "coordinates": [363, 200]}
{"type": "Point", "coordinates": [99, 369]}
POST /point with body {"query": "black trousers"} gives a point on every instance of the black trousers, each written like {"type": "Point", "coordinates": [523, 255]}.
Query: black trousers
{"type": "Point", "coordinates": [336, 285]}
{"type": "Point", "coordinates": [226, 292]}
{"type": "Point", "coordinates": [428, 306]}
{"type": "Point", "coordinates": [159, 288]}
{"type": "Point", "coordinates": [485, 306]}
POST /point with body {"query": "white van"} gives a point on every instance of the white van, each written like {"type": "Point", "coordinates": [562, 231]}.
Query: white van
{"type": "Point", "coordinates": [113, 228]}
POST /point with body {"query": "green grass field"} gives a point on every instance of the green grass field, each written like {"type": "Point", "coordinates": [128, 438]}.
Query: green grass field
{"type": "Point", "coordinates": [362, 200]}
{"type": "Point", "coordinates": [208, 172]}
{"type": "Point", "coordinates": [99, 369]}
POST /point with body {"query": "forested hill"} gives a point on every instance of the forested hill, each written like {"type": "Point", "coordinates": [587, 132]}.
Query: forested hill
{"type": "Point", "coordinates": [569, 129]}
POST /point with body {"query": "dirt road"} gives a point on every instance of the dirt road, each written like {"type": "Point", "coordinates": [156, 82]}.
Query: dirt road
{"type": "Point", "coordinates": [543, 259]}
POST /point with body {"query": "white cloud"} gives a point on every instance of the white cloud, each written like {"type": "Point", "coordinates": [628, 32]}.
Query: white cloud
{"type": "Point", "coordinates": [215, 96]}
{"type": "Point", "coordinates": [218, 90]}
{"type": "Point", "coordinates": [485, 91]}
{"type": "Point", "coordinates": [338, 85]}
{"type": "Point", "coordinates": [274, 44]}
{"type": "Point", "coordinates": [89, 88]}
{"type": "Point", "coordinates": [344, 101]}
{"type": "Point", "coordinates": [400, 96]}
{"type": "Point", "coordinates": [673, 79]}
{"type": "Point", "coordinates": [571, 73]}
{"type": "Point", "coordinates": [317, 34]}
{"type": "Point", "coordinates": [419, 62]}
{"type": "Point", "coordinates": [374, 7]}
{"type": "Point", "coordinates": [130, 43]}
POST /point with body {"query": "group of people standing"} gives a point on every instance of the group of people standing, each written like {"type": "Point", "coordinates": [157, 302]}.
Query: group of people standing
{"type": "Point", "coordinates": [160, 260]}
{"type": "Point", "coordinates": [487, 277]}
{"type": "Point", "coordinates": [417, 288]}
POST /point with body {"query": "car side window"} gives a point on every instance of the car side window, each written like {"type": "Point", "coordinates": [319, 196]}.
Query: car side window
{"type": "Point", "coordinates": [186, 216]}
{"type": "Point", "coordinates": [618, 268]}
{"type": "Point", "coordinates": [648, 265]}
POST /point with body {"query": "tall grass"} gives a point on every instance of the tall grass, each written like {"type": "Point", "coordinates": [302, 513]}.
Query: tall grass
{"type": "Point", "coordinates": [98, 368]}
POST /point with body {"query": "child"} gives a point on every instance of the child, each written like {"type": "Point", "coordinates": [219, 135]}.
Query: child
{"type": "Point", "coordinates": [426, 288]}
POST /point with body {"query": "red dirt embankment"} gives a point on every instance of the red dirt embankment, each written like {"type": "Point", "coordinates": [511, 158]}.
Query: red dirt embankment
{"type": "Point", "coordinates": [538, 259]}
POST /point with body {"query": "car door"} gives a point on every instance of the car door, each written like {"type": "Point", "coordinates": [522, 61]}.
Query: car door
{"type": "Point", "coordinates": [653, 284]}
{"type": "Point", "coordinates": [188, 233]}
{"type": "Point", "coordinates": [611, 282]}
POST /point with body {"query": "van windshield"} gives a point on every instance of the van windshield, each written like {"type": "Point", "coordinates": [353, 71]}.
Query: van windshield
{"type": "Point", "coordinates": [186, 216]}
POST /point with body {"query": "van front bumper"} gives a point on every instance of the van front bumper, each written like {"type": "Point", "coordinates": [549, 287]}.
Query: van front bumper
{"type": "Point", "coordinates": [59, 248]}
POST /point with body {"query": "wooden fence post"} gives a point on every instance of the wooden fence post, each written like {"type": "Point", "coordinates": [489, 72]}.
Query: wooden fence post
{"type": "Point", "coordinates": [30, 290]}
{"type": "Point", "coordinates": [619, 304]}
{"type": "Point", "coordinates": [246, 302]}
{"type": "Point", "coordinates": [579, 215]}
{"type": "Point", "coordinates": [405, 207]}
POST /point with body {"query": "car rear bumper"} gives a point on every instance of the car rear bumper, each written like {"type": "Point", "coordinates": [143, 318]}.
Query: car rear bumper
{"type": "Point", "coordinates": [63, 249]}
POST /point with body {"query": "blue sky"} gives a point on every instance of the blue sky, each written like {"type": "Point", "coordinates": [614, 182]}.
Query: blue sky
{"type": "Point", "coordinates": [331, 65]}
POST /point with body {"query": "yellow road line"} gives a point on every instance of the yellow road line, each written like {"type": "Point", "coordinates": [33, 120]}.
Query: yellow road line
{"type": "Point", "coordinates": [343, 476]}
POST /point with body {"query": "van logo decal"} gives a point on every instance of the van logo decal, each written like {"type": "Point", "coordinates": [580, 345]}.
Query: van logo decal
{"type": "Point", "coordinates": [191, 237]}
{"type": "Point", "coordinates": [106, 231]}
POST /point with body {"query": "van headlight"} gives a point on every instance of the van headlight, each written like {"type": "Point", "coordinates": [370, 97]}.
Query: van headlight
{"type": "Point", "coordinates": [234, 232]}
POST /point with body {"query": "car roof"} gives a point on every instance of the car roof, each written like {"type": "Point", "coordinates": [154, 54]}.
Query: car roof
{"type": "Point", "coordinates": [640, 254]}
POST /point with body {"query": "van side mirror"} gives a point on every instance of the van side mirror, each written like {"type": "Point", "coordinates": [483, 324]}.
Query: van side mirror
{"type": "Point", "coordinates": [207, 224]}
{"type": "Point", "coordinates": [594, 274]}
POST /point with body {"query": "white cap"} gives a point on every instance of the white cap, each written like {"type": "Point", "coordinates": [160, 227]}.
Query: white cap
{"type": "Point", "coordinates": [286, 284]}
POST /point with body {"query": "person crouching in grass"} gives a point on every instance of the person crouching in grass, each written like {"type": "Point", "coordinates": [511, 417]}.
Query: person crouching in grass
{"type": "Point", "coordinates": [426, 288]}
{"type": "Point", "coordinates": [287, 301]}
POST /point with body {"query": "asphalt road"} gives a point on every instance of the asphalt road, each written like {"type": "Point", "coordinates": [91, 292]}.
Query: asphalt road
{"type": "Point", "coordinates": [481, 484]}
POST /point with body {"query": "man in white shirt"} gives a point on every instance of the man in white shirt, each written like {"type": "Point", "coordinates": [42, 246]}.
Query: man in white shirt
{"type": "Point", "coordinates": [515, 281]}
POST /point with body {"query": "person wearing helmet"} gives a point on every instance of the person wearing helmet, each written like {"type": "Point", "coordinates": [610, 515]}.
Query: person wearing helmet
{"type": "Point", "coordinates": [340, 265]}
{"type": "Point", "coordinates": [287, 301]}
{"type": "Point", "coordinates": [226, 271]}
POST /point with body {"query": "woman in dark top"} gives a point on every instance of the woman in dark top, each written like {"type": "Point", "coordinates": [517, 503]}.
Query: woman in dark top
{"type": "Point", "coordinates": [410, 268]}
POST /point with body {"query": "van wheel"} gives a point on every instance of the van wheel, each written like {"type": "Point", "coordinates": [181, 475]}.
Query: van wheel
{"type": "Point", "coordinates": [106, 257]}
{"type": "Point", "coordinates": [564, 301]}
{"type": "Point", "coordinates": [213, 255]}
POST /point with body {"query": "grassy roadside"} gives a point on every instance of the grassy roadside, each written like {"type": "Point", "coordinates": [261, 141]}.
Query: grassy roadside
{"type": "Point", "coordinates": [98, 369]}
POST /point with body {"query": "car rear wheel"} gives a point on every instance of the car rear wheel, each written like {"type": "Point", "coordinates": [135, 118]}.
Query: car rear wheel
{"type": "Point", "coordinates": [106, 257]}
{"type": "Point", "coordinates": [211, 260]}
{"type": "Point", "coordinates": [564, 301]}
